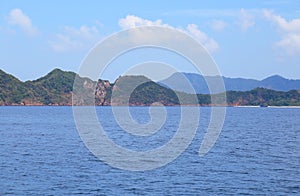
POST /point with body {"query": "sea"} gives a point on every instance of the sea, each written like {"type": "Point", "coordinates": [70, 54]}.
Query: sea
{"type": "Point", "coordinates": [256, 153]}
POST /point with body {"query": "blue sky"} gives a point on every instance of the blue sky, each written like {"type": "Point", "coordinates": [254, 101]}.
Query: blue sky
{"type": "Point", "coordinates": [250, 39]}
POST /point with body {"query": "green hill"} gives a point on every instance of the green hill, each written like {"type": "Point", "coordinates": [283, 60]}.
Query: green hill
{"type": "Point", "coordinates": [12, 90]}
{"type": "Point", "coordinates": [264, 97]}
{"type": "Point", "coordinates": [56, 88]}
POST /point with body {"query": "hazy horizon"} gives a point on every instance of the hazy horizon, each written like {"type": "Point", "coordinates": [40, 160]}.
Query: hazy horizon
{"type": "Point", "coordinates": [114, 79]}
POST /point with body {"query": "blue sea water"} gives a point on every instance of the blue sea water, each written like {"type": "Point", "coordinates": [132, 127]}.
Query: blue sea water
{"type": "Point", "coordinates": [257, 153]}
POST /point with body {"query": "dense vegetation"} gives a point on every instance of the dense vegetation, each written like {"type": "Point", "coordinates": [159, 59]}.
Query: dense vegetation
{"type": "Point", "coordinates": [150, 92]}
{"type": "Point", "coordinates": [12, 90]}
{"type": "Point", "coordinates": [56, 88]}
{"type": "Point", "coordinates": [264, 97]}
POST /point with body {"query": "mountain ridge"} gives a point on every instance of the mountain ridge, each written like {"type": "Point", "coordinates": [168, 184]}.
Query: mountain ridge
{"type": "Point", "coordinates": [198, 82]}
{"type": "Point", "coordinates": [56, 88]}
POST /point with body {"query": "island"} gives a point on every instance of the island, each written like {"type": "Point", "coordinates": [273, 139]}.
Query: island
{"type": "Point", "coordinates": [56, 89]}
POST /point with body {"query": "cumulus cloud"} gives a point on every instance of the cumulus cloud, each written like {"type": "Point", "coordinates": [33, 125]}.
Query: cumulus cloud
{"type": "Point", "coordinates": [282, 23]}
{"type": "Point", "coordinates": [290, 43]}
{"type": "Point", "coordinates": [72, 39]}
{"type": "Point", "coordinates": [209, 43]}
{"type": "Point", "coordinates": [289, 30]}
{"type": "Point", "coordinates": [132, 21]}
{"type": "Point", "coordinates": [246, 20]}
{"type": "Point", "coordinates": [18, 18]}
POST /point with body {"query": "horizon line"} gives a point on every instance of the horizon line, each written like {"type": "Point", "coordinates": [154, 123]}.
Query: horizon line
{"type": "Point", "coordinates": [229, 77]}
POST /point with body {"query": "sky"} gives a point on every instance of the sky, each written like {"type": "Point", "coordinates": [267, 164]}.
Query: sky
{"type": "Point", "coordinates": [250, 39]}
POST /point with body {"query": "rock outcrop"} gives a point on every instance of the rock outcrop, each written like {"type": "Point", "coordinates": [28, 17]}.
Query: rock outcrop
{"type": "Point", "coordinates": [58, 89]}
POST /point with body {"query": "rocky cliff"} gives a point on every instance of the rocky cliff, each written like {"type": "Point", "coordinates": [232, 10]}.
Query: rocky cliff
{"type": "Point", "coordinates": [57, 88]}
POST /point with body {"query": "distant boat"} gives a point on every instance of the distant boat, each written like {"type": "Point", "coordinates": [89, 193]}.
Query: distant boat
{"type": "Point", "coordinates": [264, 105]}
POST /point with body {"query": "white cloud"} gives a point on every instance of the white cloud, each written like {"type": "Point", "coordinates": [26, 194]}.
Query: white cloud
{"type": "Point", "coordinates": [131, 21]}
{"type": "Point", "coordinates": [290, 32]}
{"type": "Point", "coordinates": [72, 39]}
{"type": "Point", "coordinates": [209, 43]}
{"type": "Point", "coordinates": [18, 18]}
{"type": "Point", "coordinates": [246, 20]}
{"type": "Point", "coordinates": [290, 43]}
{"type": "Point", "coordinates": [292, 26]}
{"type": "Point", "coordinates": [218, 25]}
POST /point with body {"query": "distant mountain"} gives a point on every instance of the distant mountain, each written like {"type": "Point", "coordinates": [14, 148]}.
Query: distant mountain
{"type": "Point", "coordinates": [177, 81]}
{"type": "Point", "coordinates": [56, 88]}
{"type": "Point", "coordinates": [279, 83]}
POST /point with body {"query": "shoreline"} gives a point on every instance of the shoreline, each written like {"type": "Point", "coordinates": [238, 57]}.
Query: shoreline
{"type": "Point", "coordinates": [229, 106]}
